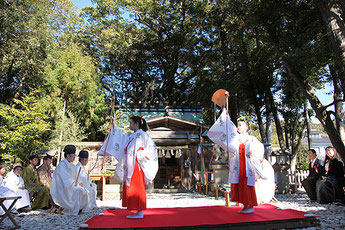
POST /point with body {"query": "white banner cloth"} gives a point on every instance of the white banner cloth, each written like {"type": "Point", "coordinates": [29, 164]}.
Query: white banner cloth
{"type": "Point", "coordinates": [224, 133]}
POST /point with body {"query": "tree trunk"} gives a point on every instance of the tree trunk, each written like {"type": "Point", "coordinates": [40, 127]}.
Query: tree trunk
{"type": "Point", "coordinates": [18, 90]}
{"type": "Point", "coordinates": [268, 149]}
{"type": "Point", "coordinates": [260, 122]}
{"type": "Point", "coordinates": [321, 114]}
{"type": "Point", "coordinates": [286, 132]}
{"type": "Point", "coordinates": [61, 133]}
{"type": "Point", "coordinates": [279, 127]}
{"type": "Point", "coordinates": [332, 13]}
{"type": "Point", "coordinates": [338, 103]}
{"type": "Point", "coordinates": [296, 136]}
{"type": "Point", "coordinates": [233, 109]}
{"type": "Point", "coordinates": [307, 123]}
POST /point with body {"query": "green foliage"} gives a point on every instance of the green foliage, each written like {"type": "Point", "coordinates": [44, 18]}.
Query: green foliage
{"type": "Point", "coordinates": [120, 121]}
{"type": "Point", "coordinates": [67, 130]}
{"type": "Point", "coordinates": [23, 128]}
{"type": "Point", "coordinates": [302, 158]}
{"type": "Point", "coordinates": [24, 40]}
{"type": "Point", "coordinates": [153, 55]}
{"type": "Point", "coordinates": [170, 52]}
{"type": "Point", "coordinates": [71, 78]}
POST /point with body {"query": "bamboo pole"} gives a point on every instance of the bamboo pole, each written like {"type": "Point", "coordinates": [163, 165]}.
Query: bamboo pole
{"type": "Point", "coordinates": [76, 182]}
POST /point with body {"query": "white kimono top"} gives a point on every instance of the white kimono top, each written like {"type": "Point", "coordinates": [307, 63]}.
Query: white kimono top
{"type": "Point", "coordinates": [126, 148]}
{"type": "Point", "coordinates": [86, 180]}
{"type": "Point", "coordinates": [63, 190]}
{"type": "Point", "coordinates": [253, 166]}
{"type": "Point", "coordinates": [13, 182]}
{"type": "Point", "coordinates": [3, 189]}
{"type": "Point", "coordinates": [224, 133]}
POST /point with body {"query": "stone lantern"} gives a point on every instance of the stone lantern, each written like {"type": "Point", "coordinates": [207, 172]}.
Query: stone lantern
{"type": "Point", "coordinates": [281, 167]}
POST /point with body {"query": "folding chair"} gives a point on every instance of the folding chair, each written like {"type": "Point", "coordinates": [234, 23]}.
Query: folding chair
{"type": "Point", "coordinates": [8, 211]}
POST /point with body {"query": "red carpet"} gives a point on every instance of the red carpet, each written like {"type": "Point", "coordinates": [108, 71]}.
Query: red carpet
{"type": "Point", "coordinates": [191, 216]}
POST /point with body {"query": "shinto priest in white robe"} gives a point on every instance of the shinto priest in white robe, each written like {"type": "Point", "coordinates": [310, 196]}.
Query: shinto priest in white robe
{"type": "Point", "coordinates": [86, 180]}
{"type": "Point", "coordinates": [224, 133]}
{"type": "Point", "coordinates": [13, 182]}
{"type": "Point", "coordinates": [64, 192]}
{"type": "Point", "coordinates": [139, 146]}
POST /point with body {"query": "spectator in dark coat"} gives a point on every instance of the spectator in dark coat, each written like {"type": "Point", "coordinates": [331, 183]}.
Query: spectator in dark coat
{"type": "Point", "coordinates": [330, 188]}
{"type": "Point", "coordinates": [316, 170]}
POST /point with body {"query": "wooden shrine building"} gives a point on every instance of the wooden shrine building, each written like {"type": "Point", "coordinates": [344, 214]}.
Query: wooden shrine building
{"type": "Point", "coordinates": [176, 133]}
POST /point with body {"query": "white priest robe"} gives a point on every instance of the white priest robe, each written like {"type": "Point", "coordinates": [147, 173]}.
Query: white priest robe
{"type": "Point", "coordinates": [265, 187]}
{"type": "Point", "coordinates": [224, 133]}
{"type": "Point", "coordinates": [86, 180]}
{"type": "Point", "coordinates": [64, 192]}
{"type": "Point", "coordinates": [139, 146]}
{"type": "Point", "coordinates": [5, 192]}
{"type": "Point", "coordinates": [13, 182]}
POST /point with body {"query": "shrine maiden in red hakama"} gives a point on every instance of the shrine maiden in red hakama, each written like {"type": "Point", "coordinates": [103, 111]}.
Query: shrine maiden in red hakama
{"type": "Point", "coordinates": [138, 163]}
{"type": "Point", "coordinates": [245, 152]}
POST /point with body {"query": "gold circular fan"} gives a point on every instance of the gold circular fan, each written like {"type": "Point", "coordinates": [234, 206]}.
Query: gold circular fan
{"type": "Point", "coordinates": [219, 97]}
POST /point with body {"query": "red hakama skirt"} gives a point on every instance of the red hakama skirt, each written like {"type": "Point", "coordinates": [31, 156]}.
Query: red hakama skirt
{"type": "Point", "coordinates": [134, 196]}
{"type": "Point", "coordinates": [241, 192]}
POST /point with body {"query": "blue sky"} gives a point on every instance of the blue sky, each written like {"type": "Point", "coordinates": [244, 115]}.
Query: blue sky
{"type": "Point", "coordinates": [82, 3]}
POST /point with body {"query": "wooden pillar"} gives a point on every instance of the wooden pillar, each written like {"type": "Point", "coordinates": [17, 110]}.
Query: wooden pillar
{"type": "Point", "coordinates": [103, 187]}
{"type": "Point", "coordinates": [190, 170]}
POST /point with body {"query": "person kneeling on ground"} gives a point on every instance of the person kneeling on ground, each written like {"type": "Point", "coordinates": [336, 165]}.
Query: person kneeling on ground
{"type": "Point", "coordinates": [316, 170]}
{"type": "Point", "coordinates": [86, 180]}
{"type": "Point", "coordinates": [330, 188]}
{"type": "Point", "coordinates": [65, 188]}
{"type": "Point", "coordinates": [45, 171]}
{"type": "Point", "coordinates": [39, 195]}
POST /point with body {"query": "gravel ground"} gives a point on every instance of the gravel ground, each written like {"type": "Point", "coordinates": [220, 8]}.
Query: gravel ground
{"type": "Point", "coordinates": [331, 216]}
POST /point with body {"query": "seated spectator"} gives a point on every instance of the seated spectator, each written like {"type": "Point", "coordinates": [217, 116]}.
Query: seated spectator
{"type": "Point", "coordinates": [330, 188]}
{"type": "Point", "coordinates": [265, 187]}
{"type": "Point", "coordinates": [39, 194]}
{"type": "Point", "coordinates": [14, 182]}
{"type": "Point", "coordinates": [4, 191]}
{"type": "Point", "coordinates": [316, 170]}
{"type": "Point", "coordinates": [86, 180]}
{"type": "Point", "coordinates": [45, 171]}
{"type": "Point", "coordinates": [65, 188]}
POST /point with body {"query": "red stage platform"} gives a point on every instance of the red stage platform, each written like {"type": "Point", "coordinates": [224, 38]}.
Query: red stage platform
{"type": "Point", "coordinates": [265, 216]}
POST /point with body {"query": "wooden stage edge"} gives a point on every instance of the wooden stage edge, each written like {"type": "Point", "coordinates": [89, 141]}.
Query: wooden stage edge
{"type": "Point", "coordinates": [277, 224]}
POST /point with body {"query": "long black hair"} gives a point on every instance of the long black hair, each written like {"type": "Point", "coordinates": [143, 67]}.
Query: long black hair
{"type": "Point", "coordinates": [141, 121]}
